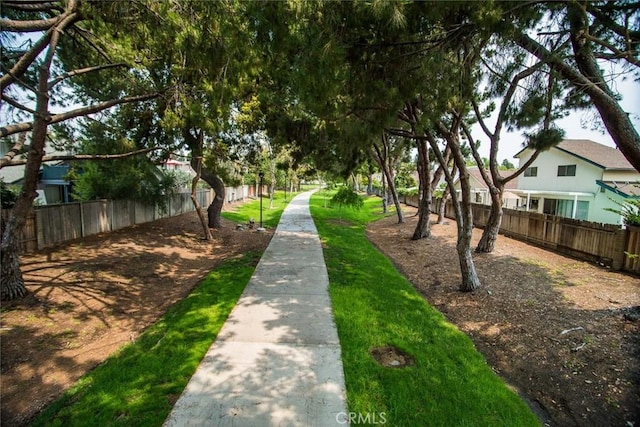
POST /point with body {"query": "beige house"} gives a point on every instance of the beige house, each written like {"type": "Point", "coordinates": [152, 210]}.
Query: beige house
{"type": "Point", "coordinates": [480, 190]}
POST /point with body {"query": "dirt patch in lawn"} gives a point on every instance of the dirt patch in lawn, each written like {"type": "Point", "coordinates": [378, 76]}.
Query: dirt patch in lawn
{"type": "Point", "coordinates": [89, 297]}
{"type": "Point", "coordinates": [561, 331]}
{"type": "Point", "coordinates": [392, 357]}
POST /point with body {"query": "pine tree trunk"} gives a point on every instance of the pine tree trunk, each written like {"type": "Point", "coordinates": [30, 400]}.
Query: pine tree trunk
{"type": "Point", "coordinates": [423, 228]}
{"type": "Point", "coordinates": [470, 281]}
{"type": "Point", "coordinates": [491, 229]}
{"type": "Point", "coordinates": [464, 214]}
{"type": "Point", "coordinates": [396, 202]}
{"type": "Point", "coordinates": [197, 162]}
{"type": "Point", "coordinates": [11, 281]}
{"type": "Point", "coordinates": [383, 161]}
{"type": "Point", "coordinates": [384, 194]}
{"type": "Point", "coordinates": [442, 206]}
{"type": "Point", "coordinates": [215, 208]}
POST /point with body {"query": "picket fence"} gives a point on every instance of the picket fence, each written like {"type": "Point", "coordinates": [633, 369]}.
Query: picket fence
{"type": "Point", "coordinates": [606, 244]}
{"type": "Point", "coordinates": [52, 224]}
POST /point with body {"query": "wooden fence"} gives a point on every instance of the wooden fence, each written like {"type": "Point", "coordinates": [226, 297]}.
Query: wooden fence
{"type": "Point", "coordinates": [51, 224]}
{"type": "Point", "coordinates": [605, 244]}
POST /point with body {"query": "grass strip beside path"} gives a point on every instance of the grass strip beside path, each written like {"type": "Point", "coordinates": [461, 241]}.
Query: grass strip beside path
{"type": "Point", "coordinates": [251, 210]}
{"type": "Point", "coordinates": [139, 384]}
{"type": "Point", "coordinates": [375, 306]}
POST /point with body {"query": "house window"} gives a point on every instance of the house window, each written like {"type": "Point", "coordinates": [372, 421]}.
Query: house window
{"type": "Point", "coordinates": [478, 197]}
{"type": "Point", "coordinates": [567, 170]}
{"type": "Point", "coordinates": [550, 206]}
{"type": "Point", "coordinates": [564, 208]}
{"type": "Point", "coordinates": [583, 210]}
{"type": "Point", "coordinates": [532, 171]}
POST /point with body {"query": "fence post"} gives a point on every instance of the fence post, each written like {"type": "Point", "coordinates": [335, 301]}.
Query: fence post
{"type": "Point", "coordinates": [620, 244]}
{"type": "Point", "coordinates": [39, 228]}
{"type": "Point", "coordinates": [81, 219]}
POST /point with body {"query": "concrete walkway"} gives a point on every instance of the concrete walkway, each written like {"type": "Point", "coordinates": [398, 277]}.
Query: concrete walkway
{"type": "Point", "coordinates": [276, 361]}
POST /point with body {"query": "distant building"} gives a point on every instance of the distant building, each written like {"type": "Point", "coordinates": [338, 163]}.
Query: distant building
{"type": "Point", "coordinates": [480, 189]}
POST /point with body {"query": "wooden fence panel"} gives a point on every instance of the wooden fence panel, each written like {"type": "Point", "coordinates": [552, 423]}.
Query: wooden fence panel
{"type": "Point", "coordinates": [28, 238]}
{"type": "Point", "coordinates": [601, 243]}
{"type": "Point", "coordinates": [122, 214]}
{"type": "Point", "coordinates": [205, 197]}
{"type": "Point", "coordinates": [143, 213]}
{"type": "Point", "coordinates": [59, 223]}
{"type": "Point", "coordinates": [95, 217]}
{"type": "Point", "coordinates": [632, 250]}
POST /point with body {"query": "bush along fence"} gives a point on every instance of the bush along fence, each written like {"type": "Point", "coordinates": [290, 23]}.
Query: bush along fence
{"type": "Point", "coordinates": [52, 224]}
{"type": "Point", "coordinates": [605, 244]}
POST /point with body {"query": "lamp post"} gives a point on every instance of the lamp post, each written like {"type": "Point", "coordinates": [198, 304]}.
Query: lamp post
{"type": "Point", "coordinates": [261, 175]}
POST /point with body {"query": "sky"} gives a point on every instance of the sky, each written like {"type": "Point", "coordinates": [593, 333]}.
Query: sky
{"type": "Point", "coordinates": [573, 125]}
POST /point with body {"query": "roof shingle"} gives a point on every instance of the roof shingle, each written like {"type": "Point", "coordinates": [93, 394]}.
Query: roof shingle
{"type": "Point", "coordinates": [601, 155]}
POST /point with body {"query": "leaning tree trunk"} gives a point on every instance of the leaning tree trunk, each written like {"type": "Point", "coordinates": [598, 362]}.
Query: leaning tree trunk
{"type": "Point", "coordinates": [423, 228]}
{"type": "Point", "coordinates": [11, 281]}
{"type": "Point", "coordinates": [442, 206]}
{"type": "Point", "coordinates": [464, 215]}
{"type": "Point", "coordinates": [385, 203]}
{"type": "Point", "coordinates": [215, 208]}
{"type": "Point", "coordinates": [386, 170]}
{"type": "Point", "coordinates": [470, 280]}
{"type": "Point", "coordinates": [490, 233]}
{"type": "Point", "coordinates": [194, 197]}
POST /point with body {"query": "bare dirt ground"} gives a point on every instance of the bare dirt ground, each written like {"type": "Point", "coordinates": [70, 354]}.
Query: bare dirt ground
{"type": "Point", "coordinates": [89, 297]}
{"type": "Point", "coordinates": [563, 332]}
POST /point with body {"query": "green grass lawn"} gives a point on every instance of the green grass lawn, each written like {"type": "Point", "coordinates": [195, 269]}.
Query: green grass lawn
{"type": "Point", "coordinates": [134, 386]}
{"type": "Point", "coordinates": [270, 217]}
{"type": "Point", "coordinates": [450, 383]}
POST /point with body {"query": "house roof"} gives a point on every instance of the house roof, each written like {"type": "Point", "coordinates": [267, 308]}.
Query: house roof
{"type": "Point", "coordinates": [624, 189]}
{"type": "Point", "coordinates": [474, 171]}
{"type": "Point", "coordinates": [607, 158]}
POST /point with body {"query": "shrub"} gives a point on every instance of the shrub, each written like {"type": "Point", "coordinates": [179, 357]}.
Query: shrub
{"type": "Point", "coordinates": [347, 197]}
{"type": "Point", "coordinates": [629, 210]}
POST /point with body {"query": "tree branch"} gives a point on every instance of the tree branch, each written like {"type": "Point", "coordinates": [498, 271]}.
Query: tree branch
{"type": "Point", "coordinates": [32, 7]}
{"type": "Point", "coordinates": [16, 26]}
{"type": "Point", "coordinates": [612, 25]}
{"type": "Point", "coordinates": [16, 104]}
{"type": "Point", "coordinates": [15, 150]}
{"type": "Point", "coordinates": [617, 53]}
{"type": "Point", "coordinates": [20, 67]}
{"type": "Point", "coordinates": [79, 71]}
{"type": "Point", "coordinates": [9, 162]}
{"type": "Point", "coordinates": [63, 22]}
{"type": "Point", "coordinates": [84, 111]}
{"type": "Point", "coordinates": [405, 134]}
{"type": "Point", "coordinates": [476, 156]}
{"type": "Point", "coordinates": [483, 125]}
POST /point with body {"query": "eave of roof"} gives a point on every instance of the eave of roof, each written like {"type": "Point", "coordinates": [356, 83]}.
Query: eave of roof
{"type": "Point", "coordinates": [615, 190]}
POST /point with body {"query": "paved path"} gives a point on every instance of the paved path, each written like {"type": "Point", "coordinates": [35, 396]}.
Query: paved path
{"type": "Point", "coordinates": [276, 361]}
